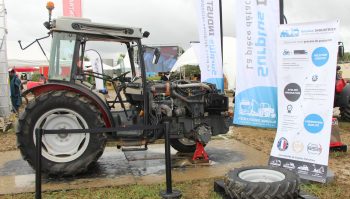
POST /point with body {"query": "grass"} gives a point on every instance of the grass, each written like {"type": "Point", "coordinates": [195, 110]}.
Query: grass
{"type": "Point", "coordinates": [327, 191]}
{"type": "Point", "coordinates": [190, 189]}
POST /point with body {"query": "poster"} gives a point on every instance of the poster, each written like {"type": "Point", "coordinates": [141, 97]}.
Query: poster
{"type": "Point", "coordinates": [307, 58]}
{"type": "Point", "coordinates": [210, 54]}
{"type": "Point", "coordinates": [256, 85]}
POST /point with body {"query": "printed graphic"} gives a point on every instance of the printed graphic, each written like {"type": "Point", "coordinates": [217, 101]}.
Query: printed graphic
{"type": "Point", "coordinates": [319, 170]}
{"type": "Point", "coordinates": [276, 163]}
{"type": "Point", "coordinates": [320, 56]}
{"type": "Point", "coordinates": [289, 108]}
{"type": "Point", "coordinates": [298, 146]}
{"type": "Point", "coordinates": [293, 32]}
{"type": "Point", "coordinates": [292, 92]}
{"type": "Point", "coordinates": [253, 108]}
{"type": "Point", "coordinates": [313, 123]}
{"type": "Point", "coordinates": [300, 52]}
{"type": "Point", "coordinates": [289, 165]}
{"type": "Point", "coordinates": [282, 144]}
{"type": "Point", "coordinates": [314, 149]}
{"type": "Point", "coordinates": [303, 167]}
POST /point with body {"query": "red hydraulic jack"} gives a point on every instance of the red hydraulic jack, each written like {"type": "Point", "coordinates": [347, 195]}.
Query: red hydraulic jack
{"type": "Point", "coordinates": [200, 155]}
{"type": "Point", "coordinates": [336, 144]}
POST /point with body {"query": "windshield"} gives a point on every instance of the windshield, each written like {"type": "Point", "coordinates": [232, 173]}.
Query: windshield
{"type": "Point", "coordinates": [61, 57]}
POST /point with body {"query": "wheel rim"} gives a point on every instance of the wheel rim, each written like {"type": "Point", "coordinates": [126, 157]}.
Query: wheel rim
{"type": "Point", "coordinates": [62, 147]}
{"type": "Point", "coordinates": [261, 175]}
{"type": "Point", "coordinates": [187, 142]}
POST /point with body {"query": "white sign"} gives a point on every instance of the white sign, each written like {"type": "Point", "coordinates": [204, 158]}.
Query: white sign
{"type": "Point", "coordinates": [307, 58]}
{"type": "Point", "coordinates": [210, 42]}
{"type": "Point", "coordinates": [96, 64]}
{"type": "Point", "coordinates": [256, 91]}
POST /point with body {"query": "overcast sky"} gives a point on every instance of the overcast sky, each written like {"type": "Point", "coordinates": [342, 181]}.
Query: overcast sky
{"type": "Point", "coordinates": [170, 22]}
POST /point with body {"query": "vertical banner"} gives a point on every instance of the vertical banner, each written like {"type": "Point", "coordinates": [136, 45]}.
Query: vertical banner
{"type": "Point", "coordinates": [256, 92]}
{"type": "Point", "coordinates": [210, 42]}
{"type": "Point", "coordinates": [307, 58]}
{"type": "Point", "coordinates": [97, 67]}
{"type": "Point", "coordinates": [72, 8]}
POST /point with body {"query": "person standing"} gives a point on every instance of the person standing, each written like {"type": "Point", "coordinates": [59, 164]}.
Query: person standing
{"type": "Point", "coordinates": [15, 88]}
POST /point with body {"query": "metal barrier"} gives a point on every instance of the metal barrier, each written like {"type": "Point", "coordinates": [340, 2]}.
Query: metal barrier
{"type": "Point", "coordinates": [168, 193]}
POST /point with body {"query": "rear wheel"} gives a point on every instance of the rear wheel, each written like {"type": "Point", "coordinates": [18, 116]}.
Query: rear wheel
{"type": "Point", "coordinates": [345, 113]}
{"type": "Point", "coordinates": [261, 182]}
{"type": "Point", "coordinates": [63, 154]}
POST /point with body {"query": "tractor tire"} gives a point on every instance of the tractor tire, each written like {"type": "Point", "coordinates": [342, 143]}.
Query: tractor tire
{"type": "Point", "coordinates": [261, 182]}
{"type": "Point", "coordinates": [345, 113]}
{"type": "Point", "coordinates": [183, 145]}
{"type": "Point", "coordinates": [62, 154]}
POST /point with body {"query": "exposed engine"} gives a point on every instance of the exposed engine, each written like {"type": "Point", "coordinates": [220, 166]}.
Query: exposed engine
{"type": "Point", "coordinates": [195, 109]}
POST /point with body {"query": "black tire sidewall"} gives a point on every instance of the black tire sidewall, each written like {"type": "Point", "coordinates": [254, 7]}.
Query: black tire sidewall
{"type": "Point", "coordinates": [183, 148]}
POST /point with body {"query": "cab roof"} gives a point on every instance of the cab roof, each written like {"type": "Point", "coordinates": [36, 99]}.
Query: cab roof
{"type": "Point", "coordinates": [86, 26]}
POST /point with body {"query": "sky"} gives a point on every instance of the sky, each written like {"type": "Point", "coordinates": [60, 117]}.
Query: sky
{"type": "Point", "coordinates": [170, 22]}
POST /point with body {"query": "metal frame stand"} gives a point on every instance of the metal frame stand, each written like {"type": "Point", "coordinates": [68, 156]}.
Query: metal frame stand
{"type": "Point", "coordinates": [169, 192]}
{"type": "Point", "coordinates": [38, 136]}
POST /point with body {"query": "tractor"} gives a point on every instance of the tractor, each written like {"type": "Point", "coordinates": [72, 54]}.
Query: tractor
{"type": "Point", "coordinates": [196, 111]}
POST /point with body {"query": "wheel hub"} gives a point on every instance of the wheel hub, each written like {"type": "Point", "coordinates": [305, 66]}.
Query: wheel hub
{"type": "Point", "coordinates": [261, 175]}
{"type": "Point", "coordinates": [63, 147]}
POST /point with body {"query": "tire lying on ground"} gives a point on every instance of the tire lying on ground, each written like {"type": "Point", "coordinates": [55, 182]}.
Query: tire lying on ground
{"type": "Point", "coordinates": [261, 182]}
{"type": "Point", "coordinates": [62, 154]}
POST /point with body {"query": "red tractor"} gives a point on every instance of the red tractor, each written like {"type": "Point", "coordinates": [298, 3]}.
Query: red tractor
{"type": "Point", "coordinates": [196, 111]}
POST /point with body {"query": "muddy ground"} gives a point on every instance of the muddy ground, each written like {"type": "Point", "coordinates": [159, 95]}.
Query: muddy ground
{"type": "Point", "coordinates": [262, 139]}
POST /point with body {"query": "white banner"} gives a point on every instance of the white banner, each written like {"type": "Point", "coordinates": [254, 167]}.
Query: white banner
{"type": "Point", "coordinates": [210, 42]}
{"type": "Point", "coordinates": [307, 58]}
{"type": "Point", "coordinates": [97, 67]}
{"type": "Point", "coordinates": [256, 91]}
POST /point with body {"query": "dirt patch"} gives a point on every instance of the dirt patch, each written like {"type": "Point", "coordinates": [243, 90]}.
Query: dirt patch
{"type": "Point", "coordinates": [8, 141]}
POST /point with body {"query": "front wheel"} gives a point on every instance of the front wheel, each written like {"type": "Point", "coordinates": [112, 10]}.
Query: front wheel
{"type": "Point", "coordinates": [183, 145]}
{"type": "Point", "coordinates": [261, 182]}
{"type": "Point", "coordinates": [63, 154]}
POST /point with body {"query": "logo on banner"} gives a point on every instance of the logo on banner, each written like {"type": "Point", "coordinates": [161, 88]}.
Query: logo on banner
{"type": "Point", "coordinates": [313, 123]}
{"type": "Point", "coordinates": [320, 56]}
{"type": "Point", "coordinates": [293, 32]}
{"type": "Point", "coordinates": [282, 144]}
{"type": "Point", "coordinates": [314, 149]}
{"type": "Point", "coordinates": [298, 146]}
{"type": "Point", "coordinates": [292, 92]}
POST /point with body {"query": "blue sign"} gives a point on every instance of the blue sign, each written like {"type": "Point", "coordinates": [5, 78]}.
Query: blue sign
{"type": "Point", "coordinates": [320, 56]}
{"type": "Point", "coordinates": [313, 123]}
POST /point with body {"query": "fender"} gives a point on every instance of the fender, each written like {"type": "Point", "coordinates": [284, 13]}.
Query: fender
{"type": "Point", "coordinates": [56, 86]}
{"type": "Point", "coordinates": [343, 98]}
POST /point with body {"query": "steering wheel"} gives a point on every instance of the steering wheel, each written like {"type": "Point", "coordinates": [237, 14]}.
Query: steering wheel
{"type": "Point", "coordinates": [121, 76]}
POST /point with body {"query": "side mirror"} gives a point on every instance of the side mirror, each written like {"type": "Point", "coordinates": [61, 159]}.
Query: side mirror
{"type": "Point", "coordinates": [156, 56]}
{"type": "Point", "coordinates": [340, 49]}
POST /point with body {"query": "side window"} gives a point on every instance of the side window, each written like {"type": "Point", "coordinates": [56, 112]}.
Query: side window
{"type": "Point", "coordinates": [61, 58]}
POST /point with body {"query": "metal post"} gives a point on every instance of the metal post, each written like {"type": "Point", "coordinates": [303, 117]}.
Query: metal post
{"type": "Point", "coordinates": [281, 12]}
{"type": "Point", "coordinates": [169, 192]}
{"type": "Point", "coordinates": [38, 134]}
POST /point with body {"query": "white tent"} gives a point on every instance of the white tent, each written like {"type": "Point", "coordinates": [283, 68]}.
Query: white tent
{"type": "Point", "coordinates": [87, 65]}
{"type": "Point", "coordinates": [229, 65]}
